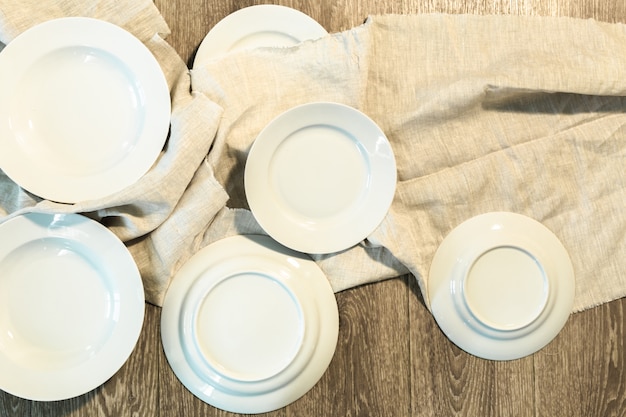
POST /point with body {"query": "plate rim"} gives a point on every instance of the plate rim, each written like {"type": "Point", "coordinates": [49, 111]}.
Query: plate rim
{"type": "Point", "coordinates": [375, 204]}
{"type": "Point", "coordinates": [251, 19]}
{"type": "Point", "coordinates": [115, 351]}
{"type": "Point", "coordinates": [267, 397]}
{"type": "Point", "coordinates": [466, 332]}
{"type": "Point", "coordinates": [137, 58]}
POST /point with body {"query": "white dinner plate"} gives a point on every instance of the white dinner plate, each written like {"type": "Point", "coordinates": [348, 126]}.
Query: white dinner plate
{"type": "Point", "coordinates": [84, 109]}
{"type": "Point", "coordinates": [320, 177]}
{"type": "Point", "coordinates": [71, 305]}
{"type": "Point", "coordinates": [501, 286]}
{"type": "Point", "coordinates": [249, 326]}
{"type": "Point", "coordinates": [263, 25]}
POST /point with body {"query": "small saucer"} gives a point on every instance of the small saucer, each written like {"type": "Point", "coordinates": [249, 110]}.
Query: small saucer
{"type": "Point", "coordinates": [320, 177]}
{"type": "Point", "coordinates": [249, 326]}
{"type": "Point", "coordinates": [501, 286]}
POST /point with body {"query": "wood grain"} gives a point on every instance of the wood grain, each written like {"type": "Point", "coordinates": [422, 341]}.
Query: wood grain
{"type": "Point", "coordinates": [586, 362]}
{"type": "Point", "coordinates": [191, 20]}
{"type": "Point", "coordinates": [373, 351]}
{"type": "Point", "coordinates": [451, 382]}
{"type": "Point", "coordinates": [391, 359]}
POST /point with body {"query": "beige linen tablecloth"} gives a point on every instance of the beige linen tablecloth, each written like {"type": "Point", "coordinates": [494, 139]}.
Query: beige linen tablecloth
{"type": "Point", "coordinates": [484, 113]}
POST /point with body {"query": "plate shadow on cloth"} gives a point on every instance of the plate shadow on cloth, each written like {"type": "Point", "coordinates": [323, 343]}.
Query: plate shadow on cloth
{"type": "Point", "coordinates": [233, 184]}
{"type": "Point", "coordinates": [541, 102]}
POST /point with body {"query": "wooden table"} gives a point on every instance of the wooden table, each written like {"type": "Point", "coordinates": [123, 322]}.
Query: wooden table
{"type": "Point", "coordinates": [391, 359]}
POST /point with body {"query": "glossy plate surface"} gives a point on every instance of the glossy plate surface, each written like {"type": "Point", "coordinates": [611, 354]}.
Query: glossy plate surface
{"type": "Point", "coordinates": [501, 286]}
{"type": "Point", "coordinates": [249, 326]}
{"type": "Point", "coordinates": [320, 177]}
{"type": "Point", "coordinates": [71, 305]}
{"type": "Point", "coordinates": [261, 25]}
{"type": "Point", "coordinates": [84, 109]}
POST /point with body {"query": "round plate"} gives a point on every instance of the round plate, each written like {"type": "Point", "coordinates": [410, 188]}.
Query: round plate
{"type": "Point", "coordinates": [249, 326]}
{"type": "Point", "coordinates": [501, 286]}
{"type": "Point", "coordinates": [71, 305]}
{"type": "Point", "coordinates": [320, 177]}
{"type": "Point", "coordinates": [84, 109]}
{"type": "Point", "coordinates": [257, 26]}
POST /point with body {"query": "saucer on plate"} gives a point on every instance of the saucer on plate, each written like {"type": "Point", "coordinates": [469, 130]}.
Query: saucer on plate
{"type": "Point", "coordinates": [249, 326]}
{"type": "Point", "coordinates": [501, 286]}
{"type": "Point", "coordinates": [320, 177]}
{"type": "Point", "coordinates": [263, 25]}
{"type": "Point", "coordinates": [71, 305]}
{"type": "Point", "coordinates": [84, 109]}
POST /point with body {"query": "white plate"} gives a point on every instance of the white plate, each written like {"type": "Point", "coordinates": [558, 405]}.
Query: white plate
{"type": "Point", "coordinates": [71, 305]}
{"type": "Point", "coordinates": [320, 177]}
{"type": "Point", "coordinates": [84, 109]}
{"type": "Point", "coordinates": [501, 286]}
{"type": "Point", "coordinates": [249, 326]}
{"type": "Point", "coordinates": [262, 25]}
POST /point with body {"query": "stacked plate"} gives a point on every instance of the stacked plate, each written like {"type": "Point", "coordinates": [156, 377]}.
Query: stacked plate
{"type": "Point", "coordinates": [501, 286]}
{"type": "Point", "coordinates": [248, 325]}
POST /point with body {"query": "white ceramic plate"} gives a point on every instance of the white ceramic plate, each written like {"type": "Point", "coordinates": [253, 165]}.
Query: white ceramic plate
{"type": "Point", "coordinates": [71, 305]}
{"type": "Point", "coordinates": [249, 326]}
{"type": "Point", "coordinates": [84, 109]}
{"type": "Point", "coordinates": [264, 25]}
{"type": "Point", "coordinates": [501, 286]}
{"type": "Point", "coordinates": [320, 177]}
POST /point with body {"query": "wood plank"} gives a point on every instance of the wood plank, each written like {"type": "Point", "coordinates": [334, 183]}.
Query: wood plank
{"type": "Point", "coordinates": [83, 406]}
{"type": "Point", "coordinates": [190, 20]}
{"type": "Point", "coordinates": [449, 382]}
{"type": "Point", "coordinates": [132, 391]}
{"type": "Point", "coordinates": [369, 375]}
{"type": "Point", "coordinates": [11, 406]}
{"type": "Point", "coordinates": [582, 372]}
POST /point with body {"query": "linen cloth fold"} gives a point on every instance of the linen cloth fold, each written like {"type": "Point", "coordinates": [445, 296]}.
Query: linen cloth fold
{"type": "Point", "coordinates": [484, 113]}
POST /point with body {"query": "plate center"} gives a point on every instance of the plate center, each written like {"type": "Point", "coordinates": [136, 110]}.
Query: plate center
{"type": "Point", "coordinates": [56, 310]}
{"type": "Point", "coordinates": [77, 110]}
{"type": "Point", "coordinates": [506, 288]}
{"type": "Point", "coordinates": [249, 327]}
{"type": "Point", "coordinates": [319, 171]}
